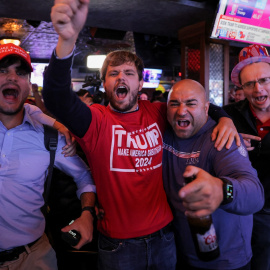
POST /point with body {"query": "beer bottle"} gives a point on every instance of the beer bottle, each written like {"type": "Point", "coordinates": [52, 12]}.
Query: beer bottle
{"type": "Point", "coordinates": [203, 235]}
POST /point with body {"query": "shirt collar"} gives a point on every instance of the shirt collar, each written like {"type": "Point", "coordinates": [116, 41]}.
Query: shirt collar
{"type": "Point", "coordinates": [27, 119]}
{"type": "Point", "coordinates": [137, 108]}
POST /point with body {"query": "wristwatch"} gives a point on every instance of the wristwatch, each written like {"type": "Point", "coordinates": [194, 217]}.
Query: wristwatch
{"type": "Point", "coordinates": [91, 209]}
{"type": "Point", "coordinates": [227, 191]}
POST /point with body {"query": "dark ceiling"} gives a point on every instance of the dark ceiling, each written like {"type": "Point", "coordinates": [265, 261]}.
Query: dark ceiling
{"type": "Point", "coordinates": [149, 25]}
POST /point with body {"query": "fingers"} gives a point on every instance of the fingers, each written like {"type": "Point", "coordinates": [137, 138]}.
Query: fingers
{"type": "Point", "coordinates": [84, 226]}
{"type": "Point", "coordinates": [66, 229]}
{"type": "Point", "coordinates": [203, 195]}
{"type": "Point", "coordinates": [250, 137]}
{"type": "Point", "coordinates": [224, 134]}
{"type": "Point", "coordinates": [247, 140]}
{"type": "Point", "coordinates": [223, 138]}
{"type": "Point", "coordinates": [227, 138]}
{"type": "Point", "coordinates": [232, 136]}
{"type": "Point", "coordinates": [70, 149]}
{"type": "Point", "coordinates": [191, 171]}
{"type": "Point", "coordinates": [198, 213]}
{"type": "Point", "coordinates": [99, 212]}
{"type": "Point", "coordinates": [61, 14]}
{"type": "Point", "coordinates": [238, 139]}
{"type": "Point", "coordinates": [214, 134]}
{"type": "Point", "coordinates": [191, 188]}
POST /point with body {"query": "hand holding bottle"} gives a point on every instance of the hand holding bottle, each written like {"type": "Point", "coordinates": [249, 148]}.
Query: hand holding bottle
{"type": "Point", "coordinates": [202, 228]}
{"type": "Point", "coordinates": [202, 196]}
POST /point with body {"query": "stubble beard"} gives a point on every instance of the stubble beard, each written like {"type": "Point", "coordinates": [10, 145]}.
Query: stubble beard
{"type": "Point", "coordinates": [132, 101]}
{"type": "Point", "coordinates": [12, 111]}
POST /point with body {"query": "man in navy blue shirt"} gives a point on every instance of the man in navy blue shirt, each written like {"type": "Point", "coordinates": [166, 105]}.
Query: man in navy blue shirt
{"type": "Point", "coordinates": [189, 151]}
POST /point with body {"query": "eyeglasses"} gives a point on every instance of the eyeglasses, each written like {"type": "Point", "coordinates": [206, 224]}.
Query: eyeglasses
{"type": "Point", "coordinates": [251, 84]}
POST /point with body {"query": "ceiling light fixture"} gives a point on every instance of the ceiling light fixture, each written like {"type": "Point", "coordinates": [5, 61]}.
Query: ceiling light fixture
{"type": "Point", "coordinates": [95, 61]}
{"type": "Point", "coordinates": [7, 40]}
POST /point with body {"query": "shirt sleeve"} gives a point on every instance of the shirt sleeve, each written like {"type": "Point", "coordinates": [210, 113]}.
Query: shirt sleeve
{"type": "Point", "coordinates": [234, 165]}
{"type": "Point", "coordinates": [61, 100]}
{"type": "Point", "coordinates": [217, 112]}
{"type": "Point", "coordinates": [76, 168]}
{"type": "Point", "coordinates": [38, 115]}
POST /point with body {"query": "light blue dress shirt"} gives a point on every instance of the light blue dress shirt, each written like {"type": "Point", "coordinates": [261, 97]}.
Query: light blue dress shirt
{"type": "Point", "coordinates": [23, 168]}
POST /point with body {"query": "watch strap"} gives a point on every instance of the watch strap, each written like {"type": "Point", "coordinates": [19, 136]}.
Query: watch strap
{"type": "Point", "coordinates": [227, 191]}
{"type": "Point", "coordinates": [91, 209]}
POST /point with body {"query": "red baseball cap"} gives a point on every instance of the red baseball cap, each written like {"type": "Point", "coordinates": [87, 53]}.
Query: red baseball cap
{"type": "Point", "coordinates": [11, 49]}
{"type": "Point", "coordinates": [251, 54]}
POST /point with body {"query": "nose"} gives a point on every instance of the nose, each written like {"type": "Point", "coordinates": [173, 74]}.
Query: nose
{"type": "Point", "coordinates": [182, 110]}
{"type": "Point", "coordinates": [12, 76]}
{"type": "Point", "coordinates": [258, 87]}
{"type": "Point", "coordinates": [121, 75]}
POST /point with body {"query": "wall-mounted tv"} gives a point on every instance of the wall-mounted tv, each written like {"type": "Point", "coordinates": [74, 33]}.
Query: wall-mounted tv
{"type": "Point", "coordinates": [37, 74]}
{"type": "Point", "coordinates": [243, 20]}
{"type": "Point", "coordinates": [151, 77]}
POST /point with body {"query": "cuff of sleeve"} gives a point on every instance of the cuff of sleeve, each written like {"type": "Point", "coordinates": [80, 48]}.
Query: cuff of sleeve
{"type": "Point", "coordinates": [88, 188]}
{"type": "Point", "coordinates": [68, 56]}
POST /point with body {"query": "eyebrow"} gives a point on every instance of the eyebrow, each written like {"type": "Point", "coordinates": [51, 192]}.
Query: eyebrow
{"type": "Point", "coordinates": [185, 101]}
{"type": "Point", "coordinates": [125, 70]}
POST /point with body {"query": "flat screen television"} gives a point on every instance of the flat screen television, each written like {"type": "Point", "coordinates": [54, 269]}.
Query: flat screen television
{"type": "Point", "coordinates": [243, 20]}
{"type": "Point", "coordinates": [151, 77]}
{"type": "Point", "coordinates": [37, 74]}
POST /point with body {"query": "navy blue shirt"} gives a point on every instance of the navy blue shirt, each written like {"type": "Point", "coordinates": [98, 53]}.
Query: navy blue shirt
{"type": "Point", "coordinates": [233, 222]}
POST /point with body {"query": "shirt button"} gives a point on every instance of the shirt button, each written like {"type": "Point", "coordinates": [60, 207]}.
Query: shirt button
{"type": "Point", "coordinates": [3, 155]}
{"type": "Point", "coordinates": [261, 129]}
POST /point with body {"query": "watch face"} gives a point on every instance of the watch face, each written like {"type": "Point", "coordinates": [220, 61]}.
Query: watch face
{"type": "Point", "coordinates": [229, 191]}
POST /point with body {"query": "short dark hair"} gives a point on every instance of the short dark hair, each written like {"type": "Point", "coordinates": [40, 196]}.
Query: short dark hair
{"type": "Point", "coordinates": [117, 58]}
{"type": "Point", "coordinates": [238, 88]}
{"type": "Point", "coordinates": [12, 59]}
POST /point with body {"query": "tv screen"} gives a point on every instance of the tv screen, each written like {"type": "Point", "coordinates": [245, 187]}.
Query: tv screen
{"type": "Point", "coordinates": [37, 74]}
{"type": "Point", "coordinates": [151, 77]}
{"type": "Point", "coordinates": [243, 20]}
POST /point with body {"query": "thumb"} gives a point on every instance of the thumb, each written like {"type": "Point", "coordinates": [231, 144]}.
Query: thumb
{"type": "Point", "coordinates": [191, 171]}
{"type": "Point", "coordinates": [66, 229]}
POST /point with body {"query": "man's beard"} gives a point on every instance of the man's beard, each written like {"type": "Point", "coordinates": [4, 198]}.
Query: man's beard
{"type": "Point", "coordinates": [132, 101]}
{"type": "Point", "coordinates": [12, 112]}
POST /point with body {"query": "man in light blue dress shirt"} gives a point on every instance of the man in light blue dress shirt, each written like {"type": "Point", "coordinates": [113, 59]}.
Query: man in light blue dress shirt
{"type": "Point", "coordinates": [23, 165]}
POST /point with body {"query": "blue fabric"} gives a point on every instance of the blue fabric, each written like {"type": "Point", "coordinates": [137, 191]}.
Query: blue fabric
{"type": "Point", "coordinates": [24, 161]}
{"type": "Point", "coordinates": [261, 242]}
{"type": "Point", "coordinates": [132, 254]}
{"type": "Point", "coordinates": [233, 221]}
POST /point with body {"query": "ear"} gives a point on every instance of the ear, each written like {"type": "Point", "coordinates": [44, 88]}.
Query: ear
{"type": "Point", "coordinates": [141, 85]}
{"type": "Point", "coordinates": [206, 107]}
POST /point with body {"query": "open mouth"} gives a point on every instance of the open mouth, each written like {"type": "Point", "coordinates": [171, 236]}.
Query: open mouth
{"type": "Point", "coordinates": [183, 123]}
{"type": "Point", "coordinates": [261, 98]}
{"type": "Point", "coordinates": [121, 92]}
{"type": "Point", "coordinates": [10, 93]}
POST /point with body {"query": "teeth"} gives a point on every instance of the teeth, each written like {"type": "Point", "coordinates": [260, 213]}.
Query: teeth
{"type": "Point", "coordinates": [183, 123]}
{"type": "Point", "coordinates": [260, 98]}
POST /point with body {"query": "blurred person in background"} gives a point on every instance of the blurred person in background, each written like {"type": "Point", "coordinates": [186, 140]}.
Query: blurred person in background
{"type": "Point", "coordinates": [239, 94]}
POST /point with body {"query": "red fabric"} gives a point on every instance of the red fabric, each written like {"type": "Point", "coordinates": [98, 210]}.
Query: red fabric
{"type": "Point", "coordinates": [11, 49]}
{"type": "Point", "coordinates": [262, 128]}
{"type": "Point", "coordinates": [124, 152]}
